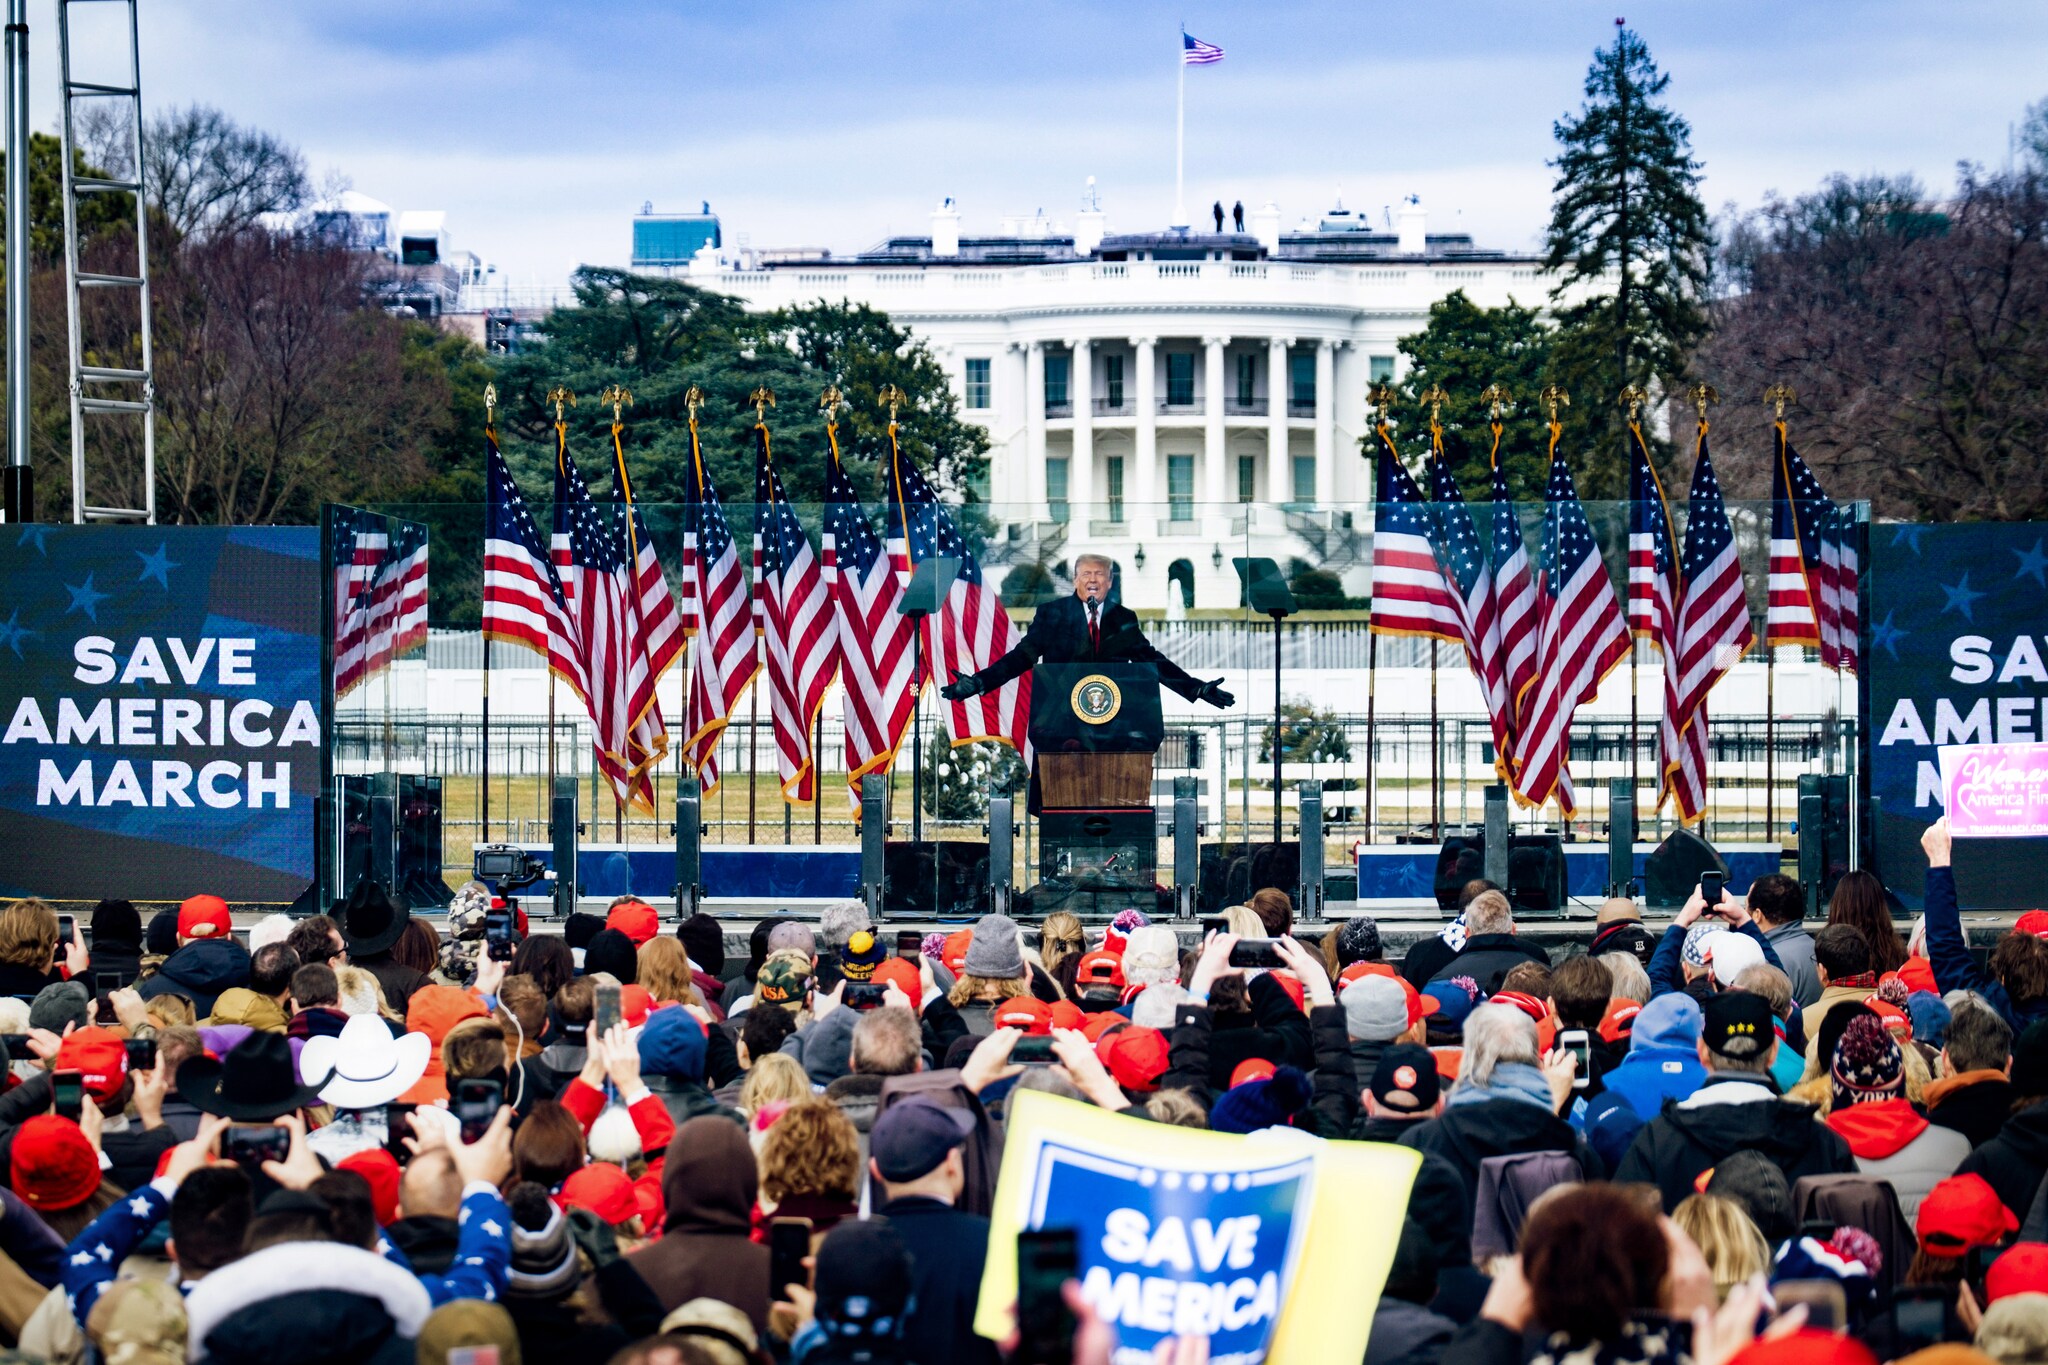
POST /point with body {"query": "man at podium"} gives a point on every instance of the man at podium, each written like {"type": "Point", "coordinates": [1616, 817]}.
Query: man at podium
{"type": "Point", "coordinates": [1086, 628]}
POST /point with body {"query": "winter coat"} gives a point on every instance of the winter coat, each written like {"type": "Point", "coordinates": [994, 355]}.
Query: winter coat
{"type": "Point", "coordinates": [708, 1185]}
{"type": "Point", "coordinates": [200, 971]}
{"type": "Point", "coordinates": [1406, 1333]}
{"type": "Point", "coordinates": [309, 1303]}
{"type": "Point", "coordinates": [1811, 1019]}
{"type": "Point", "coordinates": [687, 1099]}
{"type": "Point", "coordinates": [1975, 1104]}
{"type": "Point", "coordinates": [858, 1097]}
{"type": "Point", "coordinates": [1467, 1134]}
{"type": "Point", "coordinates": [1731, 1112]}
{"type": "Point", "coordinates": [1425, 959]}
{"type": "Point", "coordinates": [1893, 1142]}
{"type": "Point", "coordinates": [2013, 1162]}
{"type": "Point", "coordinates": [112, 955]}
{"type": "Point", "coordinates": [441, 1008]}
{"type": "Point", "coordinates": [1275, 1030]}
{"type": "Point", "coordinates": [947, 1249]}
{"type": "Point", "coordinates": [1489, 957]}
{"type": "Point", "coordinates": [241, 1005]}
{"type": "Point", "coordinates": [1437, 1200]}
{"type": "Point", "coordinates": [16, 979]}
{"type": "Point", "coordinates": [1949, 952]}
{"type": "Point", "coordinates": [1663, 1061]}
{"type": "Point", "coordinates": [1794, 947]}
{"type": "Point", "coordinates": [316, 1021]}
{"type": "Point", "coordinates": [426, 1240]}
{"type": "Point", "coordinates": [824, 1047]}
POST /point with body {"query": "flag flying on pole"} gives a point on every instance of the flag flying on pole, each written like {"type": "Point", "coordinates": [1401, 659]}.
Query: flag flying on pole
{"type": "Point", "coordinates": [655, 628]}
{"type": "Point", "coordinates": [970, 630]}
{"type": "Point", "coordinates": [1195, 52]}
{"type": "Point", "coordinates": [399, 609]}
{"type": "Point", "coordinates": [1652, 552]}
{"type": "Point", "coordinates": [799, 634]}
{"type": "Point", "coordinates": [598, 584]}
{"type": "Point", "coordinates": [1582, 635]}
{"type": "Point", "coordinates": [523, 602]}
{"type": "Point", "coordinates": [1514, 597]}
{"type": "Point", "coordinates": [723, 657]}
{"type": "Point", "coordinates": [1798, 511]}
{"type": "Point", "coordinates": [1455, 539]}
{"type": "Point", "coordinates": [1409, 593]}
{"type": "Point", "coordinates": [1839, 618]}
{"type": "Point", "coordinates": [874, 638]}
{"type": "Point", "coordinates": [360, 541]}
{"type": "Point", "coordinates": [1712, 633]}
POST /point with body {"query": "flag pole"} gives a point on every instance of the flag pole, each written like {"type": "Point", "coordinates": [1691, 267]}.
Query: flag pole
{"type": "Point", "coordinates": [693, 398]}
{"type": "Point", "coordinates": [560, 397]}
{"type": "Point", "coordinates": [1380, 397]}
{"type": "Point", "coordinates": [618, 397]}
{"type": "Point", "coordinates": [491, 436]}
{"type": "Point", "coordinates": [1180, 117]}
{"type": "Point", "coordinates": [762, 398]}
{"type": "Point", "coordinates": [1633, 398]}
{"type": "Point", "coordinates": [1778, 395]}
{"type": "Point", "coordinates": [1435, 396]}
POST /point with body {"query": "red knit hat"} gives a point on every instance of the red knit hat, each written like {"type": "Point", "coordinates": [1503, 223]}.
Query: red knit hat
{"type": "Point", "coordinates": [380, 1169]}
{"type": "Point", "coordinates": [1025, 1012]}
{"type": "Point", "coordinates": [53, 1165]}
{"type": "Point", "coordinates": [636, 921]}
{"type": "Point", "coordinates": [1960, 1213]}
{"type": "Point", "coordinates": [605, 1190]}
{"type": "Point", "coordinates": [1100, 968]}
{"type": "Point", "coordinates": [635, 1004]}
{"type": "Point", "coordinates": [1135, 1056]}
{"type": "Point", "coordinates": [99, 1056]}
{"type": "Point", "coordinates": [204, 917]}
{"type": "Point", "coordinates": [903, 975]}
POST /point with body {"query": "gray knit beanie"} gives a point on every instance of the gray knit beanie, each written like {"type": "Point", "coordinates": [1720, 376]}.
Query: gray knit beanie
{"type": "Point", "coordinates": [996, 951]}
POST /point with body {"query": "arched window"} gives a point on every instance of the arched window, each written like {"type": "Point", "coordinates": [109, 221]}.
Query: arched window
{"type": "Point", "coordinates": [1182, 572]}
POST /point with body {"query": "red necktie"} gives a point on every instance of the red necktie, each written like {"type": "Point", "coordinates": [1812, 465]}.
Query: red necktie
{"type": "Point", "coordinates": [1094, 630]}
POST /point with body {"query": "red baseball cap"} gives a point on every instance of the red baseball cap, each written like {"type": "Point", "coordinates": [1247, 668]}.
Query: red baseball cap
{"type": "Point", "coordinates": [954, 954]}
{"type": "Point", "coordinates": [635, 920]}
{"type": "Point", "coordinates": [1251, 1069]}
{"type": "Point", "coordinates": [2034, 922]}
{"type": "Point", "coordinates": [1358, 969]}
{"type": "Point", "coordinates": [204, 917]}
{"type": "Point", "coordinates": [2021, 1268]}
{"type": "Point", "coordinates": [605, 1190]}
{"type": "Point", "coordinates": [903, 975]}
{"type": "Point", "coordinates": [635, 1004]}
{"type": "Point", "coordinates": [1807, 1346]}
{"type": "Point", "coordinates": [1066, 1014]}
{"type": "Point", "coordinates": [1960, 1213]}
{"type": "Point", "coordinates": [380, 1169]}
{"type": "Point", "coordinates": [1100, 968]}
{"type": "Point", "coordinates": [99, 1056]}
{"type": "Point", "coordinates": [1620, 1019]}
{"type": "Point", "coordinates": [53, 1165]}
{"type": "Point", "coordinates": [1918, 975]}
{"type": "Point", "coordinates": [1024, 1012]}
{"type": "Point", "coordinates": [1135, 1056]}
{"type": "Point", "coordinates": [1289, 982]}
{"type": "Point", "coordinates": [1891, 1016]}
{"type": "Point", "coordinates": [1094, 1026]}
{"type": "Point", "coordinates": [1546, 1031]}
{"type": "Point", "coordinates": [1448, 1062]}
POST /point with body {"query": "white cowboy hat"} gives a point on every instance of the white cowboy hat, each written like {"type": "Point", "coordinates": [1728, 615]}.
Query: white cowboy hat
{"type": "Point", "coordinates": [365, 1066]}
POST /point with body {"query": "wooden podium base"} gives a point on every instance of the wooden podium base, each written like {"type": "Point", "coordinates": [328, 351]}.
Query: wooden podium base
{"type": "Point", "coordinates": [1095, 781]}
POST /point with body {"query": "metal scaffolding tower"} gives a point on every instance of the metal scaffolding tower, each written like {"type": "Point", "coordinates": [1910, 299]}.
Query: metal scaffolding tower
{"type": "Point", "coordinates": [106, 390]}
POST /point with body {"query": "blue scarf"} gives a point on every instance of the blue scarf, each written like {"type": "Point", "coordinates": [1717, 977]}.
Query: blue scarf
{"type": "Point", "coordinates": [1511, 1081]}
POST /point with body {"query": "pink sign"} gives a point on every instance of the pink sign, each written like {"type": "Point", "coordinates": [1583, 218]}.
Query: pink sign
{"type": "Point", "coordinates": [1996, 791]}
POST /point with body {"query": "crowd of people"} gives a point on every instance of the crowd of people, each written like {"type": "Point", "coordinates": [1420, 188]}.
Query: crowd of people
{"type": "Point", "coordinates": [352, 1137]}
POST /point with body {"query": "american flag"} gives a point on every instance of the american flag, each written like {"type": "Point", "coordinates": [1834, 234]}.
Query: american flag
{"type": "Point", "coordinates": [1195, 52]}
{"type": "Point", "coordinates": [591, 559]}
{"type": "Point", "coordinates": [1798, 508]}
{"type": "Point", "coordinates": [360, 540]}
{"type": "Point", "coordinates": [661, 626]}
{"type": "Point", "coordinates": [1456, 542]}
{"type": "Point", "coordinates": [1582, 636]}
{"type": "Point", "coordinates": [723, 655]}
{"type": "Point", "coordinates": [523, 601]}
{"type": "Point", "coordinates": [874, 638]}
{"type": "Point", "coordinates": [1409, 593]}
{"type": "Point", "coordinates": [398, 610]}
{"type": "Point", "coordinates": [1514, 598]}
{"type": "Point", "coordinates": [1839, 618]}
{"type": "Point", "coordinates": [1652, 552]}
{"type": "Point", "coordinates": [799, 634]}
{"type": "Point", "coordinates": [971, 631]}
{"type": "Point", "coordinates": [1713, 632]}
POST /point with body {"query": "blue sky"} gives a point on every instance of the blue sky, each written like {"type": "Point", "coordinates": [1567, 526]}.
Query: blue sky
{"type": "Point", "coordinates": [541, 128]}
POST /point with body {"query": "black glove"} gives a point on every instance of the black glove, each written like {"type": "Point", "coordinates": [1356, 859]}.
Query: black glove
{"type": "Point", "coordinates": [595, 1236]}
{"type": "Point", "coordinates": [1214, 694]}
{"type": "Point", "coordinates": [961, 688]}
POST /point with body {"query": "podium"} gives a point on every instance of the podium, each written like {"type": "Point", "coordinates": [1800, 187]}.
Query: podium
{"type": "Point", "coordinates": [1095, 728]}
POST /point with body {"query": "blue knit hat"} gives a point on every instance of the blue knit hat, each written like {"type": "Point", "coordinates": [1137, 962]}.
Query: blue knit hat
{"type": "Point", "coordinates": [672, 1043]}
{"type": "Point", "coordinates": [1270, 1103]}
{"type": "Point", "coordinates": [1931, 1017]}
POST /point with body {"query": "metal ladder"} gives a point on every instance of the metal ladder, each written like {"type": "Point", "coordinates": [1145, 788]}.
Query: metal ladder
{"type": "Point", "coordinates": [101, 390]}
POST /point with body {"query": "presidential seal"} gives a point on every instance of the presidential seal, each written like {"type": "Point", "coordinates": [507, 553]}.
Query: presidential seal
{"type": "Point", "coordinates": [1097, 699]}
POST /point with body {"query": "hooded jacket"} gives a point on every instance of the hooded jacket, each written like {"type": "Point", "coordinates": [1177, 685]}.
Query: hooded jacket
{"type": "Point", "coordinates": [824, 1047]}
{"type": "Point", "coordinates": [947, 1250]}
{"type": "Point", "coordinates": [1663, 1061]}
{"type": "Point", "coordinates": [307, 1302]}
{"type": "Point", "coordinates": [202, 969]}
{"type": "Point", "coordinates": [436, 1010]}
{"type": "Point", "coordinates": [1892, 1142]}
{"type": "Point", "coordinates": [1731, 1112]}
{"type": "Point", "coordinates": [240, 1005]}
{"type": "Point", "coordinates": [1975, 1104]}
{"type": "Point", "coordinates": [1467, 1134]}
{"type": "Point", "coordinates": [2014, 1162]}
{"type": "Point", "coordinates": [399, 982]}
{"type": "Point", "coordinates": [1489, 957]}
{"type": "Point", "coordinates": [708, 1184]}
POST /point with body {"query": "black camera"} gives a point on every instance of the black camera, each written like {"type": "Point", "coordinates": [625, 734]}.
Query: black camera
{"type": "Point", "coordinates": [507, 867]}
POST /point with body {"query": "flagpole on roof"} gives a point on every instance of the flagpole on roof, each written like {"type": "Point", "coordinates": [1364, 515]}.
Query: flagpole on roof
{"type": "Point", "coordinates": [1777, 396]}
{"type": "Point", "coordinates": [1180, 117]}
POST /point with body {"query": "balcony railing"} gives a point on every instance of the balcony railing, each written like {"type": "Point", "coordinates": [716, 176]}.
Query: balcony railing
{"type": "Point", "coordinates": [1189, 407]}
{"type": "Point", "coordinates": [1114, 407]}
{"type": "Point", "coordinates": [1301, 407]}
{"type": "Point", "coordinates": [1244, 407]}
{"type": "Point", "coordinates": [1061, 408]}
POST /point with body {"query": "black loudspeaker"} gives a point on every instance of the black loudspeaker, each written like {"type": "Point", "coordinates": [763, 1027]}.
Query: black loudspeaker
{"type": "Point", "coordinates": [932, 880]}
{"type": "Point", "coordinates": [1673, 870]}
{"type": "Point", "coordinates": [1536, 880]}
{"type": "Point", "coordinates": [419, 879]}
{"type": "Point", "coordinates": [1231, 872]}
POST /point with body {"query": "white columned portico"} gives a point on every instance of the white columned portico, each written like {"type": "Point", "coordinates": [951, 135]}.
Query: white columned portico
{"type": "Point", "coordinates": [1148, 437]}
{"type": "Point", "coordinates": [1277, 394]}
{"type": "Point", "coordinates": [1212, 420]}
{"type": "Point", "coordinates": [1326, 411]}
{"type": "Point", "coordinates": [1081, 466]}
{"type": "Point", "coordinates": [1034, 430]}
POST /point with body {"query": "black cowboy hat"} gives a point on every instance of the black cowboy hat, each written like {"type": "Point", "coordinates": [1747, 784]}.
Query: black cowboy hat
{"type": "Point", "coordinates": [257, 1081]}
{"type": "Point", "coordinates": [370, 920]}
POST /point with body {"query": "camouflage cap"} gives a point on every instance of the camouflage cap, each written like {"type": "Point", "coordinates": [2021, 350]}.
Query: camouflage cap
{"type": "Point", "coordinates": [139, 1322]}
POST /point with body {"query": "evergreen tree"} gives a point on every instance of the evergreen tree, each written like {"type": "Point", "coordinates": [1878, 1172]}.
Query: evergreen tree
{"type": "Point", "coordinates": [1463, 350]}
{"type": "Point", "coordinates": [1628, 237]}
